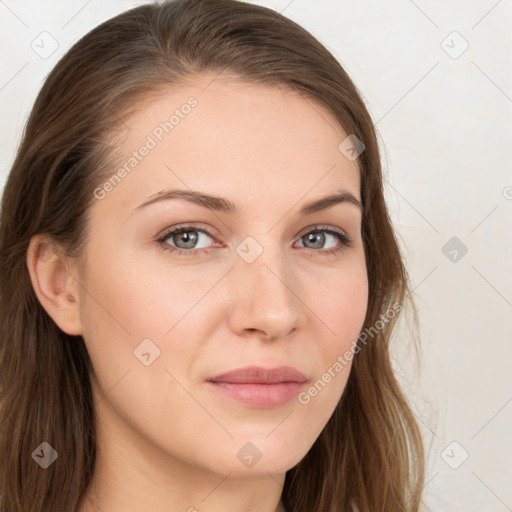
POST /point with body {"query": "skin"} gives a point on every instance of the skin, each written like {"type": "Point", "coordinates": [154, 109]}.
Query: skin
{"type": "Point", "coordinates": [166, 441]}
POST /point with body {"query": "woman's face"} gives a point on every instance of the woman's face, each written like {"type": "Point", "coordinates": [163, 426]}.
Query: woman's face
{"type": "Point", "coordinates": [261, 283]}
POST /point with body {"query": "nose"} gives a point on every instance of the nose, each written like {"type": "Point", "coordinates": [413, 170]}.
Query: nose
{"type": "Point", "coordinates": [264, 299]}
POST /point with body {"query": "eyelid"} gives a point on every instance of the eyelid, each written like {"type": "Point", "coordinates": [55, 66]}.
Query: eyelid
{"type": "Point", "coordinates": [192, 226]}
{"type": "Point", "coordinates": [345, 241]}
{"type": "Point", "coordinates": [322, 227]}
{"type": "Point", "coordinates": [207, 229]}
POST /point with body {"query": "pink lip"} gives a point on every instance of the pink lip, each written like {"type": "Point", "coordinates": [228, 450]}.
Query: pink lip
{"type": "Point", "coordinates": [260, 387]}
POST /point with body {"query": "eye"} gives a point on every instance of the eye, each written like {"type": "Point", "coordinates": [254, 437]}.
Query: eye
{"type": "Point", "coordinates": [320, 234]}
{"type": "Point", "coordinates": [182, 240]}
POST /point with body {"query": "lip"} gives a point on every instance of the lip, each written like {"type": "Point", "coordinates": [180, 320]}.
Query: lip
{"type": "Point", "coordinates": [260, 387]}
{"type": "Point", "coordinates": [261, 375]}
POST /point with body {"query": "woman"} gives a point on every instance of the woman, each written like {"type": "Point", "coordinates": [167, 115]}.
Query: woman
{"type": "Point", "coordinates": [200, 279]}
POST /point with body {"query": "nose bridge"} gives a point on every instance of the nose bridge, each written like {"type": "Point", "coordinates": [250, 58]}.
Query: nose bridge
{"type": "Point", "coordinates": [265, 299]}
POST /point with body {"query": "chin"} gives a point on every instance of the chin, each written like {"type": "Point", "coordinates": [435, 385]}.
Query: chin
{"type": "Point", "coordinates": [259, 455]}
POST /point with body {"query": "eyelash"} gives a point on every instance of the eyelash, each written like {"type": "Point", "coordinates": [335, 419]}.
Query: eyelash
{"type": "Point", "coordinates": [344, 240]}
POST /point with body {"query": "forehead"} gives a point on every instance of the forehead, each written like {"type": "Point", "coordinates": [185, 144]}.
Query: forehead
{"type": "Point", "coordinates": [232, 138]}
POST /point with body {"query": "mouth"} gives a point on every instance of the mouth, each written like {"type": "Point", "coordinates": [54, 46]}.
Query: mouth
{"type": "Point", "coordinates": [262, 388]}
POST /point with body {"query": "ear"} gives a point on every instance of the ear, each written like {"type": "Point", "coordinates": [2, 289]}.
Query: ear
{"type": "Point", "coordinates": [55, 287]}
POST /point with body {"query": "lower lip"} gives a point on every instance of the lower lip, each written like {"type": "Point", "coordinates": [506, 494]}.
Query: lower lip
{"type": "Point", "coordinates": [262, 396]}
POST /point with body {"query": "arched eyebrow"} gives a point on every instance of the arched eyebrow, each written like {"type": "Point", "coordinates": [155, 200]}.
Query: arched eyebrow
{"type": "Point", "coordinates": [342, 196]}
{"type": "Point", "coordinates": [224, 205]}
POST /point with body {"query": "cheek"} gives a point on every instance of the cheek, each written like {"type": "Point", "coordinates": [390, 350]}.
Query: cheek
{"type": "Point", "coordinates": [339, 311]}
{"type": "Point", "coordinates": [340, 302]}
{"type": "Point", "coordinates": [128, 300]}
{"type": "Point", "coordinates": [118, 311]}
{"type": "Point", "coordinates": [135, 299]}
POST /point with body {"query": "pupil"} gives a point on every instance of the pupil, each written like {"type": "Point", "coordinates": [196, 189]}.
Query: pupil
{"type": "Point", "coordinates": [188, 239]}
{"type": "Point", "coordinates": [318, 237]}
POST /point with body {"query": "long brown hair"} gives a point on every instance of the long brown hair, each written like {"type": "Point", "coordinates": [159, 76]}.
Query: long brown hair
{"type": "Point", "coordinates": [370, 453]}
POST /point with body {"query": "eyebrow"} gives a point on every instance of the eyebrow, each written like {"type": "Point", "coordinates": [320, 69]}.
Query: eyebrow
{"type": "Point", "coordinates": [224, 205]}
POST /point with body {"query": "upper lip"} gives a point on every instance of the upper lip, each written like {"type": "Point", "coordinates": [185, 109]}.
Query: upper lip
{"type": "Point", "coordinates": [261, 375]}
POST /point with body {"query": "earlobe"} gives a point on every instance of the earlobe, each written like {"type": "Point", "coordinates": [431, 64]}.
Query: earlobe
{"type": "Point", "coordinates": [56, 289]}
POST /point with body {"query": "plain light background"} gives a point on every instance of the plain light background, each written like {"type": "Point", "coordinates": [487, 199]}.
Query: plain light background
{"type": "Point", "coordinates": [436, 77]}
